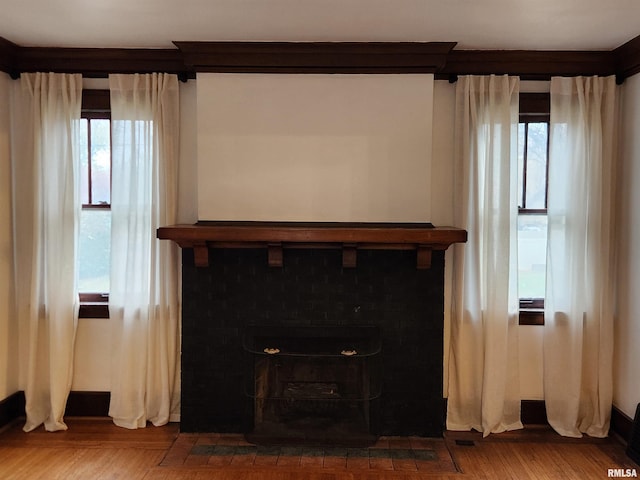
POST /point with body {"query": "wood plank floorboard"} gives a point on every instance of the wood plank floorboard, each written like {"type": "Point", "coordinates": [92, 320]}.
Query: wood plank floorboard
{"type": "Point", "coordinates": [96, 449]}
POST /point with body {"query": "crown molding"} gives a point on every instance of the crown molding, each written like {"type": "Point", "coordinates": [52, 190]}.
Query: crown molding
{"type": "Point", "coordinates": [98, 62]}
{"type": "Point", "coordinates": [529, 64]}
{"type": "Point", "coordinates": [627, 58]}
{"type": "Point", "coordinates": [439, 58]}
{"type": "Point", "coordinates": [315, 57]}
{"type": "Point", "coordinates": [8, 52]}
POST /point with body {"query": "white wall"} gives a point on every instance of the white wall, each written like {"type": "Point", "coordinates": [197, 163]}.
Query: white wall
{"type": "Point", "coordinates": [8, 327]}
{"type": "Point", "coordinates": [314, 147]}
{"type": "Point", "coordinates": [530, 361]}
{"type": "Point", "coordinates": [442, 191]}
{"type": "Point", "coordinates": [626, 393]}
{"type": "Point", "coordinates": [188, 170]}
{"type": "Point", "coordinates": [92, 361]}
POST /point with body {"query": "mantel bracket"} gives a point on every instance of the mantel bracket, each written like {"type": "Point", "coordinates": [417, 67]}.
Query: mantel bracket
{"type": "Point", "coordinates": [349, 255]}
{"type": "Point", "coordinates": [423, 257]}
{"type": "Point", "coordinates": [201, 254]}
{"type": "Point", "coordinates": [274, 254]}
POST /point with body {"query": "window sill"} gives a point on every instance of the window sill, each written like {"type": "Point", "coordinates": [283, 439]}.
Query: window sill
{"type": "Point", "coordinates": [94, 310]}
{"type": "Point", "coordinates": [531, 316]}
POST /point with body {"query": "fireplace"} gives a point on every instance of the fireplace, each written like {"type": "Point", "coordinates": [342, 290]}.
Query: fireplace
{"type": "Point", "coordinates": [315, 385]}
{"type": "Point", "coordinates": [297, 329]}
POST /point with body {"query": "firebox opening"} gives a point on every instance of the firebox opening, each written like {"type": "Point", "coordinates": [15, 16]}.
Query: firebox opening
{"type": "Point", "coordinates": [313, 385]}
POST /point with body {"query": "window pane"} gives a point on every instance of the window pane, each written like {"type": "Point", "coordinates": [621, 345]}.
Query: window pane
{"type": "Point", "coordinates": [537, 165]}
{"type": "Point", "coordinates": [94, 251]}
{"type": "Point", "coordinates": [521, 130]}
{"type": "Point", "coordinates": [101, 161]}
{"type": "Point", "coordinates": [83, 148]}
{"type": "Point", "coordinates": [532, 255]}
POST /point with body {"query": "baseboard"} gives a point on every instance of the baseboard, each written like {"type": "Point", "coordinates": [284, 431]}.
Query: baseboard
{"type": "Point", "coordinates": [96, 404]}
{"type": "Point", "coordinates": [11, 408]}
{"type": "Point", "coordinates": [79, 404]}
{"type": "Point", "coordinates": [621, 424]}
{"type": "Point", "coordinates": [88, 404]}
{"type": "Point", "coordinates": [533, 412]}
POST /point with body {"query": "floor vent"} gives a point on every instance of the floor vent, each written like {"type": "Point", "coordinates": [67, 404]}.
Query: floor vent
{"type": "Point", "coordinates": [633, 447]}
{"type": "Point", "coordinates": [465, 443]}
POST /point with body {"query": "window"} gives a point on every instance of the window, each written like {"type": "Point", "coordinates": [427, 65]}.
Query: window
{"type": "Point", "coordinates": [94, 250]}
{"type": "Point", "coordinates": [533, 155]}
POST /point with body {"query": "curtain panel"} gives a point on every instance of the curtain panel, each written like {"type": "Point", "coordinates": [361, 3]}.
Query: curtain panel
{"type": "Point", "coordinates": [579, 304]}
{"type": "Point", "coordinates": [46, 187]}
{"type": "Point", "coordinates": [483, 364]}
{"type": "Point", "coordinates": [144, 298]}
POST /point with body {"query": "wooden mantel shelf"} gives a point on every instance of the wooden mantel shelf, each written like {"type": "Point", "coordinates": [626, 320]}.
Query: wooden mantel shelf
{"type": "Point", "coordinates": [274, 236]}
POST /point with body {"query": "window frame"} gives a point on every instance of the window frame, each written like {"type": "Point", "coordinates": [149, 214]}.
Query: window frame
{"type": "Point", "coordinates": [96, 104]}
{"type": "Point", "coordinates": [534, 108]}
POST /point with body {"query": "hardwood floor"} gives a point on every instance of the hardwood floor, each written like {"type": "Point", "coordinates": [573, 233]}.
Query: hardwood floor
{"type": "Point", "coordinates": [96, 449]}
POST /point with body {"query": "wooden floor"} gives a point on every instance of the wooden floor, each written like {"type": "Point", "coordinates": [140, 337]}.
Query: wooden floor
{"type": "Point", "coordinates": [96, 449]}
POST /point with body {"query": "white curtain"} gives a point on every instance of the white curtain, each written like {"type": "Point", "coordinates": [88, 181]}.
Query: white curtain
{"type": "Point", "coordinates": [143, 301]}
{"type": "Point", "coordinates": [579, 304]}
{"type": "Point", "coordinates": [483, 365]}
{"type": "Point", "coordinates": [45, 166]}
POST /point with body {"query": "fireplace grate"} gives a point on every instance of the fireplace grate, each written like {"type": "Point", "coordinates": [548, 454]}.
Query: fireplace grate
{"type": "Point", "coordinates": [310, 398]}
{"type": "Point", "coordinates": [313, 384]}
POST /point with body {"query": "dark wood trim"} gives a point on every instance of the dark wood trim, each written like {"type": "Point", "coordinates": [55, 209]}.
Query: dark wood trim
{"type": "Point", "coordinates": [99, 62]}
{"type": "Point", "coordinates": [314, 232]}
{"type": "Point", "coordinates": [322, 57]}
{"type": "Point", "coordinates": [531, 317]}
{"type": "Point", "coordinates": [533, 412]}
{"type": "Point", "coordinates": [96, 101]}
{"type": "Point", "coordinates": [79, 404]}
{"type": "Point", "coordinates": [532, 211]}
{"type": "Point", "coordinates": [315, 57]}
{"type": "Point", "coordinates": [535, 105]}
{"type": "Point", "coordinates": [528, 64]}
{"type": "Point", "coordinates": [11, 408]}
{"type": "Point", "coordinates": [93, 310]}
{"type": "Point", "coordinates": [8, 53]}
{"type": "Point", "coordinates": [274, 254]}
{"type": "Point", "coordinates": [621, 424]}
{"type": "Point", "coordinates": [627, 58]}
{"type": "Point", "coordinates": [278, 235]}
{"type": "Point", "coordinates": [349, 255]}
{"type": "Point", "coordinates": [424, 256]}
{"type": "Point", "coordinates": [96, 104]}
{"type": "Point", "coordinates": [96, 404]}
{"type": "Point", "coordinates": [88, 404]}
{"type": "Point", "coordinates": [532, 304]}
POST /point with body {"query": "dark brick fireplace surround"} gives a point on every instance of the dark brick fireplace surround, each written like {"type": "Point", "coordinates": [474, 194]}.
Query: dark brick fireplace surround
{"type": "Point", "coordinates": [239, 275]}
